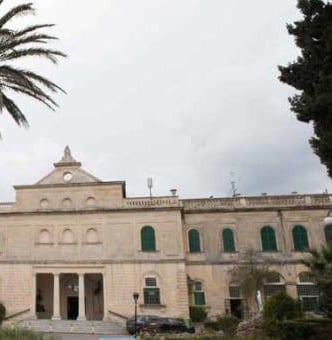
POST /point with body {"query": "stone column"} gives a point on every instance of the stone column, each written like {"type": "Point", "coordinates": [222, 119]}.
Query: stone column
{"type": "Point", "coordinates": [56, 297]}
{"type": "Point", "coordinates": [81, 297]}
{"type": "Point", "coordinates": [105, 297]}
{"type": "Point", "coordinates": [34, 295]}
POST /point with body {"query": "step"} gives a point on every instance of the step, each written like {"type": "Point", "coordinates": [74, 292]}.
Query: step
{"type": "Point", "coordinates": [68, 326]}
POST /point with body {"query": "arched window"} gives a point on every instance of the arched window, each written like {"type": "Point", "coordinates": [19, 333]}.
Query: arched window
{"type": "Point", "coordinates": [328, 233]}
{"type": "Point", "coordinates": [194, 241]}
{"type": "Point", "coordinates": [300, 238]}
{"type": "Point", "coordinates": [273, 284]}
{"type": "Point", "coordinates": [148, 239]}
{"type": "Point", "coordinates": [228, 240]}
{"type": "Point", "coordinates": [268, 238]}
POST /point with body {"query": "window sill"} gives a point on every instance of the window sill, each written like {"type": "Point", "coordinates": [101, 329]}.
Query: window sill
{"type": "Point", "coordinates": [97, 242]}
{"type": "Point", "coordinates": [194, 252]}
{"type": "Point", "coordinates": [152, 306]}
{"type": "Point", "coordinates": [149, 251]}
{"type": "Point", "coordinates": [68, 243]}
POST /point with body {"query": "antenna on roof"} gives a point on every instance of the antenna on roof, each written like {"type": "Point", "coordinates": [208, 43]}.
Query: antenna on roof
{"type": "Point", "coordinates": [233, 186]}
{"type": "Point", "coordinates": [150, 185]}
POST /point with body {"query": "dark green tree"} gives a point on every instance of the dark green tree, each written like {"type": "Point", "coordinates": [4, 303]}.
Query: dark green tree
{"type": "Point", "coordinates": [17, 44]}
{"type": "Point", "coordinates": [311, 74]}
{"type": "Point", "coordinates": [320, 266]}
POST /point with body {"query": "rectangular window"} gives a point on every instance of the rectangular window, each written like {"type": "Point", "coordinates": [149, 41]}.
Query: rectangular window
{"type": "Point", "coordinates": [308, 295]}
{"type": "Point", "coordinates": [151, 296]}
{"type": "Point", "coordinates": [273, 288]}
{"type": "Point", "coordinates": [309, 303]}
{"type": "Point", "coordinates": [235, 291]}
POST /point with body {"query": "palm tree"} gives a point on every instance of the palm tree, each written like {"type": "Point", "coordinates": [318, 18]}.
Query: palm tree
{"type": "Point", "coordinates": [320, 266]}
{"type": "Point", "coordinates": [20, 43]}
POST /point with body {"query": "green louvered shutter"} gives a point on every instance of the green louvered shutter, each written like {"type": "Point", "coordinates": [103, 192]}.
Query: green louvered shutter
{"type": "Point", "coordinates": [328, 233]}
{"type": "Point", "coordinates": [199, 298]}
{"type": "Point", "coordinates": [194, 241]}
{"type": "Point", "coordinates": [148, 239]}
{"type": "Point", "coordinates": [228, 241]}
{"type": "Point", "coordinates": [268, 237]}
{"type": "Point", "coordinates": [300, 238]}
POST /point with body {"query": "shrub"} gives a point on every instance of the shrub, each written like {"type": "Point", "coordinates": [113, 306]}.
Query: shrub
{"type": "Point", "coordinates": [2, 313]}
{"type": "Point", "coordinates": [228, 324]}
{"type": "Point", "coordinates": [19, 334]}
{"type": "Point", "coordinates": [279, 307]}
{"type": "Point", "coordinates": [306, 329]}
{"type": "Point", "coordinates": [197, 314]}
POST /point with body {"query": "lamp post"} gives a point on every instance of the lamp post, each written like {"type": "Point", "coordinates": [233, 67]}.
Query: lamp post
{"type": "Point", "coordinates": [328, 219]}
{"type": "Point", "coordinates": [135, 296]}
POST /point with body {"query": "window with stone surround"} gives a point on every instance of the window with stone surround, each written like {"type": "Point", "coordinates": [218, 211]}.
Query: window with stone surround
{"type": "Point", "coordinates": [328, 233]}
{"type": "Point", "coordinates": [194, 241]}
{"type": "Point", "coordinates": [307, 292]}
{"type": "Point", "coordinates": [273, 284]}
{"type": "Point", "coordinates": [300, 238]}
{"type": "Point", "coordinates": [197, 295]}
{"type": "Point", "coordinates": [268, 238]}
{"type": "Point", "coordinates": [228, 240]}
{"type": "Point", "coordinates": [151, 291]}
{"type": "Point", "coordinates": [148, 239]}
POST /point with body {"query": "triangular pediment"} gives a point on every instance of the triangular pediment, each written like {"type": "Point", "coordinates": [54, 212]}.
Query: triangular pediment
{"type": "Point", "coordinates": [68, 171]}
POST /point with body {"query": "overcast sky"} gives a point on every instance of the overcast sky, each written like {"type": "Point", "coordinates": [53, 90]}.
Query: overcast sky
{"type": "Point", "coordinates": [183, 91]}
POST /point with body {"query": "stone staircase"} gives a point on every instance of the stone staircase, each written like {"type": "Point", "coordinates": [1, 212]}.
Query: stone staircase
{"type": "Point", "coordinates": [73, 326]}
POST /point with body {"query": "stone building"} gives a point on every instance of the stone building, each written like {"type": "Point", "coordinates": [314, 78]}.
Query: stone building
{"type": "Point", "coordinates": [75, 247]}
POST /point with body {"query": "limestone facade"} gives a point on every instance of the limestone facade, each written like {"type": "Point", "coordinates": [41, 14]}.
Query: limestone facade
{"type": "Point", "coordinates": [71, 247]}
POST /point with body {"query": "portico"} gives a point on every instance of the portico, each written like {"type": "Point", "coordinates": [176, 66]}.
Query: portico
{"type": "Point", "coordinates": [68, 294]}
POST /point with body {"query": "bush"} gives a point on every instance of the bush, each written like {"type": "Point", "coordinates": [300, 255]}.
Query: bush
{"type": "Point", "coordinates": [279, 307]}
{"type": "Point", "coordinates": [228, 324]}
{"type": "Point", "coordinates": [197, 314]}
{"type": "Point", "coordinates": [306, 329]}
{"type": "Point", "coordinates": [2, 313]}
{"type": "Point", "coordinates": [19, 334]}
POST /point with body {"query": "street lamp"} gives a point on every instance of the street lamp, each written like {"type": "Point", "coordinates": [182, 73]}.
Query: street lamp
{"type": "Point", "coordinates": [135, 296]}
{"type": "Point", "coordinates": [328, 219]}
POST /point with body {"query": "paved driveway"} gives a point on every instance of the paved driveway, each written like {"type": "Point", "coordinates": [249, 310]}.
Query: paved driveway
{"type": "Point", "coordinates": [85, 337]}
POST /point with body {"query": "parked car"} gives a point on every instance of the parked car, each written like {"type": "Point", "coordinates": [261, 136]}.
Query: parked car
{"type": "Point", "coordinates": [155, 324]}
{"type": "Point", "coordinates": [141, 322]}
{"type": "Point", "coordinates": [173, 325]}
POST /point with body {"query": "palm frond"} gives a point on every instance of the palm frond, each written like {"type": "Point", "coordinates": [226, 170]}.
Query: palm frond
{"type": "Point", "coordinates": [15, 11]}
{"type": "Point", "coordinates": [11, 42]}
{"type": "Point", "coordinates": [18, 80]}
{"type": "Point", "coordinates": [14, 111]}
{"type": "Point", "coordinates": [40, 52]}
{"type": "Point", "coordinates": [50, 85]}
{"type": "Point", "coordinates": [33, 95]}
{"type": "Point", "coordinates": [16, 44]}
{"type": "Point", "coordinates": [32, 29]}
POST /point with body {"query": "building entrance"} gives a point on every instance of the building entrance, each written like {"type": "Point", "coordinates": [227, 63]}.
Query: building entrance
{"type": "Point", "coordinates": [72, 307]}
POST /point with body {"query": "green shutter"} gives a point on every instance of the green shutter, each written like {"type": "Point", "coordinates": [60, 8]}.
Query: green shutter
{"type": "Point", "coordinates": [194, 241]}
{"type": "Point", "coordinates": [228, 241]}
{"type": "Point", "coordinates": [199, 298]}
{"type": "Point", "coordinates": [148, 240]}
{"type": "Point", "coordinates": [300, 238]}
{"type": "Point", "coordinates": [268, 237]}
{"type": "Point", "coordinates": [328, 233]}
